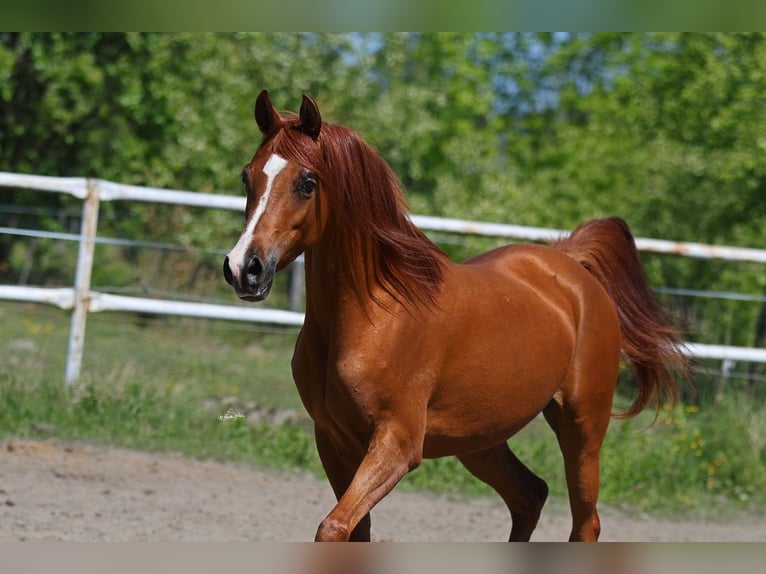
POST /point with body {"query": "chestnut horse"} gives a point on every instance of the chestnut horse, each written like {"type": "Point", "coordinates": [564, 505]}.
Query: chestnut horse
{"type": "Point", "coordinates": [404, 354]}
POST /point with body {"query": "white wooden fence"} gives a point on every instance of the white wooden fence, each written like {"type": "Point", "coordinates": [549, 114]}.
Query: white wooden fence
{"type": "Point", "coordinates": [82, 300]}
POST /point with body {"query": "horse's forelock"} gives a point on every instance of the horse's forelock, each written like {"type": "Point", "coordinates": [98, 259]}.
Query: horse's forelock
{"type": "Point", "coordinates": [292, 144]}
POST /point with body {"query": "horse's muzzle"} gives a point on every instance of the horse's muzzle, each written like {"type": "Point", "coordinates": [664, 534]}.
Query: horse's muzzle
{"type": "Point", "coordinates": [253, 283]}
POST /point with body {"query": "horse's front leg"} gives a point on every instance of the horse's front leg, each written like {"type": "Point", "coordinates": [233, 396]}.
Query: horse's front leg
{"type": "Point", "coordinates": [394, 450]}
{"type": "Point", "coordinates": [340, 467]}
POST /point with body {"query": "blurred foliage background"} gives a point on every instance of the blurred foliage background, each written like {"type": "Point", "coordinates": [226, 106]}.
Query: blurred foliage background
{"type": "Point", "coordinates": [667, 130]}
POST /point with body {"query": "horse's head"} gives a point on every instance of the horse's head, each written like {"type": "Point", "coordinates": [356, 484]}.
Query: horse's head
{"type": "Point", "coordinates": [283, 213]}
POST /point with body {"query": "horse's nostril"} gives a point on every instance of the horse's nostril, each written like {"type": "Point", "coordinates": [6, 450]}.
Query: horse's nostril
{"type": "Point", "coordinates": [227, 271]}
{"type": "Point", "coordinates": [254, 268]}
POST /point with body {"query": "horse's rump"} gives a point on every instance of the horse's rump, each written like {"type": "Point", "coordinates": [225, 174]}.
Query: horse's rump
{"type": "Point", "coordinates": [651, 344]}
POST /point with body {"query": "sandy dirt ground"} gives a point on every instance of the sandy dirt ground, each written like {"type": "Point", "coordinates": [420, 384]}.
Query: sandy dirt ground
{"type": "Point", "coordinates": [54, 491]}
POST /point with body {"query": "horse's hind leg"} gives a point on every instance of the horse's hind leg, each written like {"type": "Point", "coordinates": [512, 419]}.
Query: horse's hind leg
{"type": "Point", "coordinates": [580, 433]}
{"type": "Point", "coordinates": [522, 490]}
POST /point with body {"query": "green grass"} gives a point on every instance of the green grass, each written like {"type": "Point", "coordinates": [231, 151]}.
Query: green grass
{"type": "Point", "coordinates": [161, 385]}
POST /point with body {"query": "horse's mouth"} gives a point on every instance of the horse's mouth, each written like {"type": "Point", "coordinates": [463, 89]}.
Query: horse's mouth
{"type": "Point", "coordinates": [259, 294]}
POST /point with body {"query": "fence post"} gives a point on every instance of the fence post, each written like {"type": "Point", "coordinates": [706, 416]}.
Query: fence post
{"type": "Point", "coordinates": [83, 273]}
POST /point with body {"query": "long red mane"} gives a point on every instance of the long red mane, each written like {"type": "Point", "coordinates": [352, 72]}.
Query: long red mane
{"type": "Point", "coordinates": [367, 222]}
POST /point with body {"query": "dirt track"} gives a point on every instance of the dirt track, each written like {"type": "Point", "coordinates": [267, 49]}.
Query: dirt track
{"type": "Point", "coordinates": [55, 491]}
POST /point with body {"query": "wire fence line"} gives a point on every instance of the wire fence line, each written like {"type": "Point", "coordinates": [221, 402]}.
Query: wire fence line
{"type": "Point", "coordinates": [81, 299]}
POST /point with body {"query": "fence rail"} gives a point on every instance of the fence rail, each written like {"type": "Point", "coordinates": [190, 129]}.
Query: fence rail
{"type": "Point", "coordinates": [82, 300]}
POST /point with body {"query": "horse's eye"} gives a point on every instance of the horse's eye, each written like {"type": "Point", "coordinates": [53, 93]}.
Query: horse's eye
{"type": "Point", "coordinates": [244, 176]}
{"type": "Point", "coordinates": [306, 183]}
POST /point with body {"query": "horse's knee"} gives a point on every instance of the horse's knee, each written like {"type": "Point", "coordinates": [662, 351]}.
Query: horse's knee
{"type": "Point", "coordinates": [330, 530]}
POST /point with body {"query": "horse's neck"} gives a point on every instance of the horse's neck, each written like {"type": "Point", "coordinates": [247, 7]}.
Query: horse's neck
{"type": "Point", "coordinates": [329, 295]}
{"type": "Point", "coordinates": [326, 285]}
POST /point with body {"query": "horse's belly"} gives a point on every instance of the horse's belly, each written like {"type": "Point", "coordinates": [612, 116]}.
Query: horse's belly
{"type": "Point", "coordinates": [483, 419]}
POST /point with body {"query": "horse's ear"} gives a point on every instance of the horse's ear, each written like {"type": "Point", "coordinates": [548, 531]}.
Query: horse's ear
{"type": "Point", "coordinates": [311, 121]}
{"type": "Point", "coordinates": [265, 115]}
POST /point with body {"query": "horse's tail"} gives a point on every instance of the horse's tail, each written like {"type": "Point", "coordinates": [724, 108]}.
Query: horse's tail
{"type": "Point", "coordinates": [650, 342]}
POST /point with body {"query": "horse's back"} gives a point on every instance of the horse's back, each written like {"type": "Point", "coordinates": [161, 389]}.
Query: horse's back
{"type": "Point", "coordinates": [548, 272]}
{"type": "Point", "coordinates": [520, 261]}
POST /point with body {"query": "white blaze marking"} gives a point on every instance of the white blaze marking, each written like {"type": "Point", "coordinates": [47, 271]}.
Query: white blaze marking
{"type": "Point", "coordinates": [272, 168]}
